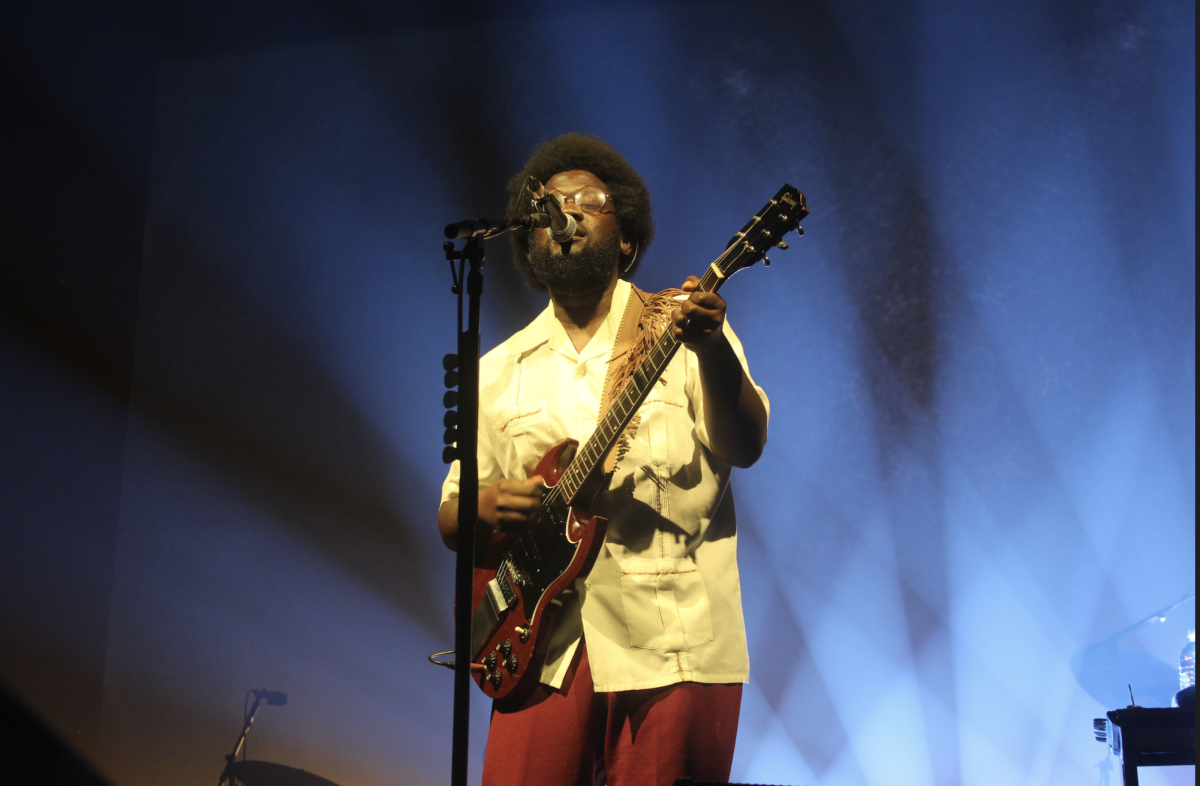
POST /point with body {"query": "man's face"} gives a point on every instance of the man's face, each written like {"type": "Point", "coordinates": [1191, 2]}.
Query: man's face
{"type": "Point", "coordinates": [591, 228]}
{"type": "Point", "coordinates": [588, 261]}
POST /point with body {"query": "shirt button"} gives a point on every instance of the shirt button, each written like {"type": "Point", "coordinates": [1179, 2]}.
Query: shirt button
{"type": "Point", "coordinates": [581, 371]}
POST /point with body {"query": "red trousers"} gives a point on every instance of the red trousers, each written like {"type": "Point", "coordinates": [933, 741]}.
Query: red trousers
{"type": "Point", "coordinates": [577, 737]}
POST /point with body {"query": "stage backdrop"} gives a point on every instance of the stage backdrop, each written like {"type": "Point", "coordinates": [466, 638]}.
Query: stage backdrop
{"type": "Point", "coordinates": [980, 358]}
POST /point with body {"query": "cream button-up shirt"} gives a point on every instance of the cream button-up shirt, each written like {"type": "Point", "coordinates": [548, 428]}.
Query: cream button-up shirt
{"type": "Point", "coordinates": [662, 604]}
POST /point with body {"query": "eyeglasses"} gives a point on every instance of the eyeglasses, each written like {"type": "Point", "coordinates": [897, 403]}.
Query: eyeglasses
{"type": "Point", "coordinates": [589, 199]}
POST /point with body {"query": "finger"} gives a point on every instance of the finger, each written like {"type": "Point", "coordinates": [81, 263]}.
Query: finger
{"type": "Point", "coordinates": [691, 308]}
{"type": "Point", "coordinates": [707, 300]}
{"type": "Point", "coordinates": [703, 316]}
{"type": "Point", "coordinates": [690, 284]}
{"type": "Point", "coordinates": [517, 502]}
{"type": "Point", "coordinates": [523, 488]}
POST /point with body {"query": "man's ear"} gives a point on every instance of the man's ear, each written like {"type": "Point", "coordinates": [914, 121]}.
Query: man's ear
{"type": "Point", "coordinates": [626, 247]}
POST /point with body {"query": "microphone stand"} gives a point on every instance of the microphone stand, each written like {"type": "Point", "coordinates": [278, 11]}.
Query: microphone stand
{"type": "Point", "coordinates": [227, 776]}
{"type": "Point", "coordinates": [467, 438]}
{"type": "Point", "coordinates": [468, 496]}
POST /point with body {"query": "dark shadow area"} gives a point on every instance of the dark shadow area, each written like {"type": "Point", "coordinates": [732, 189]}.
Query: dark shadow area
{"type": "Point", "coordinates": [465, 137]}
{"type": "Point", "coordinates": [31, 753]}
{"type": "Point", "coordinates": [70, 257]}
{"type": "Point", "coordinates": [236, 393]}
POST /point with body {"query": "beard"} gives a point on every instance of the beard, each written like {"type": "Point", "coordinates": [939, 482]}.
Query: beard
{"type": "Point", "coordinates": [579, 272]}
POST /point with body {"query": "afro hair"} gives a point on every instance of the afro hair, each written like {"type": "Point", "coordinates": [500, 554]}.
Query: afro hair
{"type": "Point", "coordinates": [589, 153]}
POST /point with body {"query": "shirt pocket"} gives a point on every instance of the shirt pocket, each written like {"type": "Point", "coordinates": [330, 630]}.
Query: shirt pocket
{"type": "Point", "coordinates": [524, 435]}
{"type": "Point", "coordinates": [665, 604]}
{"type": "Point", "coordinates": [669, 427]}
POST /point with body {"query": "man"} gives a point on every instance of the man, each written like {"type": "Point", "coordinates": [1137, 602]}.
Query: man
{"type": "Point", "coordinates": [643, 681]}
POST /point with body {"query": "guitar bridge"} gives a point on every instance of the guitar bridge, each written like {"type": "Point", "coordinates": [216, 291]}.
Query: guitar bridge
{"type": "Point", "coordinates": [508, 575]}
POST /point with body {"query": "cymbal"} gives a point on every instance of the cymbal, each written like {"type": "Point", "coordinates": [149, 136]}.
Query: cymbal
{"type": "Point", "coordinates": [265, 773]}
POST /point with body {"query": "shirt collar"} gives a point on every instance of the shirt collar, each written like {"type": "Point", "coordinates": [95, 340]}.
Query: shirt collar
{"type": "Point", "coordinates": [545, 328]}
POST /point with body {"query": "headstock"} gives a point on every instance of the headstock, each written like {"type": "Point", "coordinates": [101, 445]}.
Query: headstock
{"type": "Point", "coordinates": [781, 215]}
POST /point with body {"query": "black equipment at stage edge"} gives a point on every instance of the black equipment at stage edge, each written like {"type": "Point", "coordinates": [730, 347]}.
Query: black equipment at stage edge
{"type": "Point", "coordinates": [1149, 737]}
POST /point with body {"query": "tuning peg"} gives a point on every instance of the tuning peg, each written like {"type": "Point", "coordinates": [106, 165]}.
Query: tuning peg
{"type": "Point", "coordinates": [450, 436]}
{"type": "Point", "coordinates": [450, 362]}
{"type": "Point", "coordinates": [782, 245]}
{"type": "Point", "coordinates": [799, 230]}
{"type": "Point", "coordinates": [449, 454]}
{"type": "Point", "coordinates": [451, 379]}
{"type": "Point", "coordinates": [450, 400]}
{"type": "Point", "coordinates": [767, 261]}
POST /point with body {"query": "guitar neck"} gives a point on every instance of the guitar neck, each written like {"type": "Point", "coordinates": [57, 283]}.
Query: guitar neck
{"type": "Point", "coordinates": [641, 382]}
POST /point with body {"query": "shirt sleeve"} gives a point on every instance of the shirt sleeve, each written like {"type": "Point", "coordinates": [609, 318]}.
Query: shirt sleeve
{"type": "Point", "coordinates": [489, 466]}
{"type": "Point", "coordinates": [695, 391]}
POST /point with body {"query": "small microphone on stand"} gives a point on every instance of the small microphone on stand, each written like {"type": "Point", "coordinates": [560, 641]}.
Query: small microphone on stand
{"type": "Point", "coordinates": [562, 226]}
{"type": "Point", "coordinates": [272, 697]}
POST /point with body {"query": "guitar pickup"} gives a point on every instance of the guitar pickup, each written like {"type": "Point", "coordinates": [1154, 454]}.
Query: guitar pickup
{"type": "Point", "coordinates": [487, 615]}
{"type": "Point", "coordinates": [496, 596]}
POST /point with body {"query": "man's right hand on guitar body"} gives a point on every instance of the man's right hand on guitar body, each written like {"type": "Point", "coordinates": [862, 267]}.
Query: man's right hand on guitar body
{"type": "Point", "coordinates": [504, 506]}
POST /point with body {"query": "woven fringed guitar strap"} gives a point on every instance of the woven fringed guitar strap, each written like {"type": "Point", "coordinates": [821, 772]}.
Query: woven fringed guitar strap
{"type": "Point", "coordinates": [645, 318]}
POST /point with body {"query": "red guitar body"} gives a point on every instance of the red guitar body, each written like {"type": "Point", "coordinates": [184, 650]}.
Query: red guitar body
{"type": "Point", "coordinates": [518, 578]}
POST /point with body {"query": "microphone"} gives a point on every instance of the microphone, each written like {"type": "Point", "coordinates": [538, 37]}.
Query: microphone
{"type": "Point", "coordinates": [273, 697]}
{"type": "Point", "coordinates": [562, 226]}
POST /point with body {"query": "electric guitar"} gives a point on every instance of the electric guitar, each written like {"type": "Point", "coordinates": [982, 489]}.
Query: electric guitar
{"type": "Point", "coordinates": [518, 577]}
